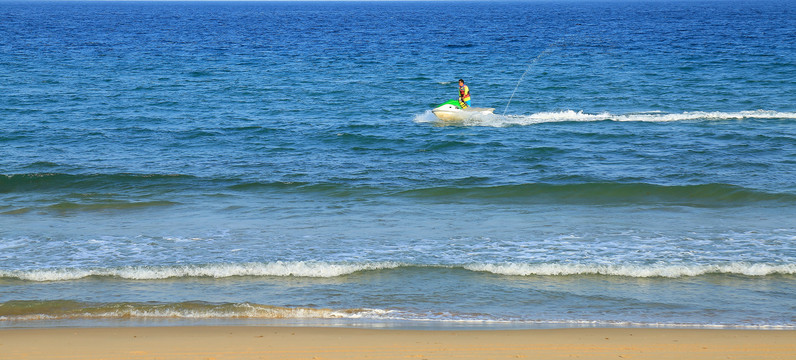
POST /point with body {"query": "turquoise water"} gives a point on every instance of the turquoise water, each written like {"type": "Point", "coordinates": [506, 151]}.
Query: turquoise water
{"type": "Point", "coordinates": [278, 163]}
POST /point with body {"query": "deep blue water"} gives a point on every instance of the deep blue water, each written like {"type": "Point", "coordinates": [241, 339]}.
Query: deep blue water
{"type": "Point", "coordinates": [259, 160]}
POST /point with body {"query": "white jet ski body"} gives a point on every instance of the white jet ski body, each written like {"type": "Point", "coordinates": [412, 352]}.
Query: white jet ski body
{"type": "Point", "coordinates": [452, 111]}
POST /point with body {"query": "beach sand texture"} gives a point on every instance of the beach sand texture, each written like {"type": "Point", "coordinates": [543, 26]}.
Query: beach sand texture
{"type": "Point", "coordinates": [339, 343]}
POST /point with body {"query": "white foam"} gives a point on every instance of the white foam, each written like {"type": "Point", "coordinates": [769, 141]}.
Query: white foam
{"type": "Point", "coordinates": [496, 120]}
{"type": "Point", "coordinates": [639, 271]}
{"type": "Point", "coordinates": [328, 270]}
{"type": "Point", "coordinates": [200, 311]}
{"type": "Point", "coordinates": [426, 117]}
{"type": "Point", "coordinates": [278, 268]}
{"type": "Point", "coordinates": [254, 311]}
{"type": "Point", "coordinates": [663, 325]}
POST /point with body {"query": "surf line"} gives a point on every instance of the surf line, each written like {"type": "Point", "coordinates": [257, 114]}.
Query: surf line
{"type": "Point", "coordinates": [546, 51]}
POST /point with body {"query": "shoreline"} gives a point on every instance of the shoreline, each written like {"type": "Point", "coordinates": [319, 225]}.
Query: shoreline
{"type": "Point", "coordinates": [281, 342]}
{"type": "Point", "coordinates": [366, 324]}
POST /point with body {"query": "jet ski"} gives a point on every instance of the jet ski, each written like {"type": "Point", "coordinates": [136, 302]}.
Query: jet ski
{"type": "Point", "coordinates": [452, 111]}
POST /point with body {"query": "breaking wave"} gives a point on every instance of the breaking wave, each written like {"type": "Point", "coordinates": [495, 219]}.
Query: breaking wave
{"type": "Point", "coordinates": [278, 268]}
{"type": "Point", "coordinates": [636, 271]}
{"type": "Point", "coordinates": [329, 270]}
{"type": "Point", "coordinates": [26, 310]}
{"type": "Point", "coordinates": [48, 310]}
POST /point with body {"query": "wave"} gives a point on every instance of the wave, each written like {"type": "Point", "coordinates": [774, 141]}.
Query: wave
{"type": "Point", "coordinates": [716, 194]}
{"type": "Point", "coordinates": [107, 205]}
{"type": "Point", "coordinates": [324, 188]}
{"type": "Point", "coordinates": [26, 310]}
{"type": "Point", "coordinates": [38, 310]}
{"type": "Point", "coordinates": [496, 120]}
{"type": "Point", "coordinates": [93, 182]}
{"type": "Point", "coordinates": [331, 270]}
{"type": "Point", "coordinates": [635, 271]}
{"type": "Point", "coordinates": [99, 192]}
{"type": "Point", "coordinates": [706, 194]}
{"type": "Point", "coordinates": [96, 183]}
{"type": "Point", "coordinates": [278, 268]}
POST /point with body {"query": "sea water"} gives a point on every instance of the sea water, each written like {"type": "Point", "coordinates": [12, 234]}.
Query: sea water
{"type": "Point", "coordinates": [277, 162]}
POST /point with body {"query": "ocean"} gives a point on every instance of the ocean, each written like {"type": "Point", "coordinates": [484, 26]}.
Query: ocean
{"type": "Point", "coordinates": [265, 163]}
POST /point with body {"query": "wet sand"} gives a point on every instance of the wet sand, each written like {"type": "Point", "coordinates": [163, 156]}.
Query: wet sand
{"type": "Point", "coordinates": [210, 342]}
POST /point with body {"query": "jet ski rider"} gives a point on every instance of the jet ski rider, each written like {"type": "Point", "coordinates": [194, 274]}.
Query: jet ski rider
{"type": "Point", "coordinates": [464, 95]}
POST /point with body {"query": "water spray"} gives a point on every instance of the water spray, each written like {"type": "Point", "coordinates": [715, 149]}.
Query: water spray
{"type": "Point", "coordinates": [543, 53]}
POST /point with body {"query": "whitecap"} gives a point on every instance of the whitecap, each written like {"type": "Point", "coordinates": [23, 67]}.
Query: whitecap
{"type": "Point", "coordinates": [222, 270]}
{"type": "Point", "coordinates": [638, 271]}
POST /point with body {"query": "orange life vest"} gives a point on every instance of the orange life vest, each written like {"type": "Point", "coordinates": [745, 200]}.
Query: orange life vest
{"type": "Point", "coordinates": [464, 92]}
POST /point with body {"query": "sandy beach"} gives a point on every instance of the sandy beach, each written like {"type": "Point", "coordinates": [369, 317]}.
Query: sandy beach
{"type": "Point", "coordinates": [340, 343]}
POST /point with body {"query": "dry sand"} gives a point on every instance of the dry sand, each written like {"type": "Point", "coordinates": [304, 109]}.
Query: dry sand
{"type": "Point", "coordinates": [212, 342]}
